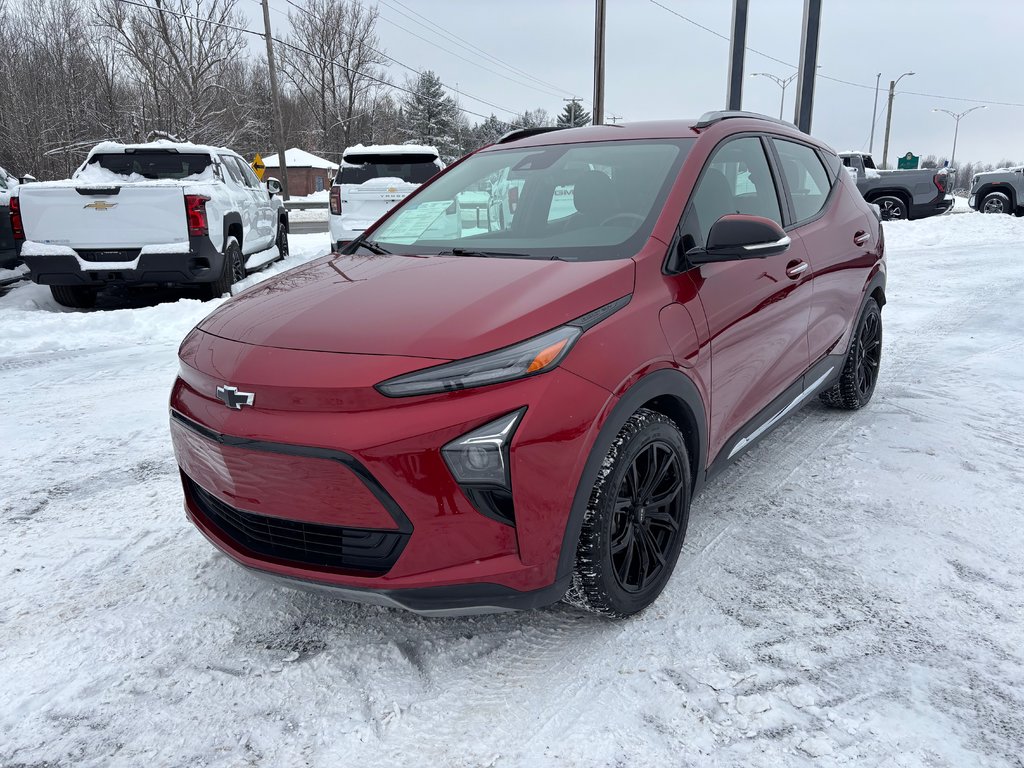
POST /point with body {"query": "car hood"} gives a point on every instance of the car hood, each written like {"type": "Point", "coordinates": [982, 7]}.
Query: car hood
{"type": "Point", "coordinates": [417, 306]}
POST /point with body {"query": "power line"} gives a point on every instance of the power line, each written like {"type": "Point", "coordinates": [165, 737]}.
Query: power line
{"type": "Point", "coordinates": [718, 34]}
{"type": "Point", "coordinates": [413, 69]}
{"type": "Point", "coordinates": [467, 60]}
{"type": "Point", "coordinates": [457, 39]}
{"type": "Point", "coordinates": [182, 15]}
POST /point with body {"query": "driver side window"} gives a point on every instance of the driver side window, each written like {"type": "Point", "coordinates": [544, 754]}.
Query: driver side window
{"type": "Point", "coordinates": [737, 179]}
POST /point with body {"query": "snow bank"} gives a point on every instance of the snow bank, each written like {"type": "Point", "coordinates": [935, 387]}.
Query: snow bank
{"type": "Point", "coordinates": [947, 231]}
{"type": "Point", "coordinates": [33, 322]}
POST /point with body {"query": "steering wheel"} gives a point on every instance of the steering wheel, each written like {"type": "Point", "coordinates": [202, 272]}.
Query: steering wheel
{"type": "Point", "coordinates": [628, 216]}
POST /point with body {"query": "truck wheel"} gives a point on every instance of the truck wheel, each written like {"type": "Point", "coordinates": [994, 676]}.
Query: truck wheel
{"type": "Point", "coordinates": [76, 296]}
{"type": "Point", "coordinates": [282, 239]}
{"type": "Point", "coordinates": [635, 520]}
{"type": "Point", "coordinates": [860, 371]}
{"type": "Point", "coordinates": [996, 202]}
{"type": "Point", "coordinates": [232, 271]}
{"type": "Point", "coordinates": [892, 207]}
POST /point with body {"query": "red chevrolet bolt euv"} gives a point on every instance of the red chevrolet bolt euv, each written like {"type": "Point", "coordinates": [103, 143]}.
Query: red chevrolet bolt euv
{"type": "Point", "coordinates": [507, 392]}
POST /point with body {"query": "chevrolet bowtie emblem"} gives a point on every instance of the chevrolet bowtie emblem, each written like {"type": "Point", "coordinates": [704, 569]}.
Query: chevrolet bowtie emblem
{"type": "Point", "coordinates": [232, 398]}
{"type": "Point", "coordinates": [101, 205]}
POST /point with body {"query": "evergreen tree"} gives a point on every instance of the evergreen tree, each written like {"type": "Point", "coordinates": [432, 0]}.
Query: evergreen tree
{"type": "Point", "coordinates": [573, 116]}
{"type": "Point", "coordinates": [431, 117]}
{"type": "Point", "coordinates": [489, 131]}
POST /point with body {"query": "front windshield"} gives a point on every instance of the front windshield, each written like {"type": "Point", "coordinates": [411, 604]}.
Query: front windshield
{"type": "Point", "coordinates": [567, 201]}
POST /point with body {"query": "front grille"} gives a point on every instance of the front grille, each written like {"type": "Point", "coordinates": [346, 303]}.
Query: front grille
{"type": "Point", "coordinates": [363, 550]}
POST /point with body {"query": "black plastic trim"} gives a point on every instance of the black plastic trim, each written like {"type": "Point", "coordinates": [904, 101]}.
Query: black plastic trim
{"type": "Point", "coordinates": [290, 449]}
{"type": "Point", "coordinates": [793, 391]}
{"type": "Point", "coordinates": [525, 133]}
{"type": "Point", "coordinates": [229, 220]}
{"type": "Point", "coordinates": [363, 551]}
{"type": "Point", "coordinates": [449, 600]}
{"type": "Point", "coordinates": [710, 118]}
{"type": "Point", "coordinates": [663, 383]}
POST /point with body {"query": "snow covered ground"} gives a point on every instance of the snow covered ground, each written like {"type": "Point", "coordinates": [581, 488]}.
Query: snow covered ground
{"type": "Point", "coordinates": [849, 593]}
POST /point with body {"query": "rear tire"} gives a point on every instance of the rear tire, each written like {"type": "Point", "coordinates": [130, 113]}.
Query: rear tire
{"type": "Point", "coordinates": [231, 272]}
{"type": "Point", "coordinates": [892, 207]}
{"type": "Point", "coordinates": [635, 520]}
{"type": "Point", "coordinates": [857, 382]}
{"type": "Point", "coordinates": [996, 202]}
{"type": "Point", "coordinates": [75, 296]}
{"type": "Point", "coordinates": [282, 240]}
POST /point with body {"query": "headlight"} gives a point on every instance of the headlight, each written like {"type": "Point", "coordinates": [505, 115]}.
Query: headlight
{"type": "Point", "coordinates": [481, 457]}
{"type": "Point", "coordinates": [527, 358]}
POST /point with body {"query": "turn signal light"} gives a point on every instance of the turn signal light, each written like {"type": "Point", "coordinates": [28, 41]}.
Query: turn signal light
{"type": "Point", "coordinates": [195, 213]}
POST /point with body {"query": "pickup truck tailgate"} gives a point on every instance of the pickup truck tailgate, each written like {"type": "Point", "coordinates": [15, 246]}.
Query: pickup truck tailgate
{"type": "Point", "coordinates": [362, 204]}
{"type": "Point", "coordinates": [114, 217]}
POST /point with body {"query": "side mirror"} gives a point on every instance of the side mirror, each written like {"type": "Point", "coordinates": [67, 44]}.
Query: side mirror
{"type": "Point", "coordinates": [739, 236]}
{"type": "Point", "coordinates": [273, 186]}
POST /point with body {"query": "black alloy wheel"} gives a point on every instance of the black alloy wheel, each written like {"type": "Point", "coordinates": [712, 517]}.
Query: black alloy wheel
{"type": "Point", "coordinates": [856, 383]}
{"type": "Point", "coordinates": [647, 516]}
{"type": "Point", "coordinates": [635, 520]}
{"type": "Point", "coordinates": [869, 354]}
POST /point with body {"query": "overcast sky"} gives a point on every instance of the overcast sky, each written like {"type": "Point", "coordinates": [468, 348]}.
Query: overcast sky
{"type": "Point", "coordinates": [660, 66]}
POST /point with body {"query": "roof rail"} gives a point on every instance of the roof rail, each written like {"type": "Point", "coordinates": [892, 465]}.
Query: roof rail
{"type": "Point", "coordinates": [524, 133]}
{"type": "Point", "coordinates": [710, 118]}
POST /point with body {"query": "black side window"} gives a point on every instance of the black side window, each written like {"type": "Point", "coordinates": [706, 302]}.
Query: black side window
{"type": "Point", "coordinates": [805, 177]}
{"type": "Point", "coordinates": [737, 179]}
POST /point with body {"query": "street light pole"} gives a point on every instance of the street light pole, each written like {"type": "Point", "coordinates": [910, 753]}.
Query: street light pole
{"type": "Point", "coordinates": [888, 118]}
{"type": "Point", "coordinates": [874, 119]}
{"type": "Point", "coordinates": [957, 117]}
{"type": "Point", "coordinates": [781, 82]}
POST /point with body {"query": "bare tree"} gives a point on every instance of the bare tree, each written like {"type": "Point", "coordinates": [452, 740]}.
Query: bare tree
{"type": "Point", "coordinates": [330, 59]}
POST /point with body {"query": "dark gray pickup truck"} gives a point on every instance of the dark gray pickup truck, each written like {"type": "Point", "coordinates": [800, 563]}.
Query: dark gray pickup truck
{"type": "Point", "coordinates": [999, 191]}
{"type": "Point", "coordinates": [8, 252]}
{"type": "Point", "coordinates": [913, 194]}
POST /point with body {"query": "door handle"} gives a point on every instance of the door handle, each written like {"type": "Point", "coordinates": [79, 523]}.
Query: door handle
{"type": "Point", "coordinates": [861, 238]}
{"type": "Point", "coordinates": [796, 268]}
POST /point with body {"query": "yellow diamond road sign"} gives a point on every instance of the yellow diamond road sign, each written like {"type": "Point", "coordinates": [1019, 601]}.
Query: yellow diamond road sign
{"type": "Point", "coordinates": [258, 167]}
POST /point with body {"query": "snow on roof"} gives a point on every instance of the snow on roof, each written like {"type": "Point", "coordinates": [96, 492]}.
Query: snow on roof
{"type": "Point", "coordinates": [299, 158]}
{"type": "Point", "coordinates": [113, 147]}
{"type": "Point", "coordinates": [391, 149]}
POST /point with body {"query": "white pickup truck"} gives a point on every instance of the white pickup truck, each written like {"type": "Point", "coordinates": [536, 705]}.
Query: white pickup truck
{"type": "Point", "coordinates": [157, 213]}
{"type": "Point", "coordinates": [371, 180]}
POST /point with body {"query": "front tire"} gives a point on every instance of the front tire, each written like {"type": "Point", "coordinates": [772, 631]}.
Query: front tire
{"type": "Point", "coordinates": [636, 519]}
{"type": "Point", "coordinates": [231, 272]}
{"type": "Point", "coordinates": [857, 382]}
{"type": "Point", "coordinates": [74, 296]}
{"type": "Point", "coordinates": [996, 202]}
{"type": "Point", "coordinates": [892, 208]}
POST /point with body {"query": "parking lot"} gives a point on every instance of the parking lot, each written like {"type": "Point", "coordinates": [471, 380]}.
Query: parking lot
{"type": "Point", "coordinates": [848, 592]}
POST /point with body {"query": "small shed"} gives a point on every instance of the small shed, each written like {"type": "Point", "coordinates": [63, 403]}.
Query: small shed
{"type": "Point", "coordinates": [307, 173]}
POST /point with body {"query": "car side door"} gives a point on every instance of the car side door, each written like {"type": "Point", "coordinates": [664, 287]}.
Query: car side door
{"type": "Point", "coordinates": [241, 199]}
{"type": "Point", "coordinates": [756, 308]}
{"type": "Point", "coordinates": [262, 209]}
{"type": "Point", "coordinates": [830, 225]}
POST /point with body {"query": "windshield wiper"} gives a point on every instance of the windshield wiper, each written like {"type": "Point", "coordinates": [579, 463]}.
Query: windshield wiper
{"type": "Point", "coordinates": [373, 247]}
{"type": "Point", "coordinates": [484, 254]}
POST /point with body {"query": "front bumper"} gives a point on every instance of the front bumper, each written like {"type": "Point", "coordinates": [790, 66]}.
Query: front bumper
{"type": "Point", "coordinates": [198, 261]}
{"type": "Point", "coordinates": [374, 468]}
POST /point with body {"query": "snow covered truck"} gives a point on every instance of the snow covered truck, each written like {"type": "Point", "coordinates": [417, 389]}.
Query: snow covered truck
{"type": "Point", "coordinates": [157, 213]}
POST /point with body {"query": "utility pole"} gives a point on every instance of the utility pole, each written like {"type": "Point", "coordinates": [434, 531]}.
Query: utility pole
{"type": "Point", "coordinates": [874, 112]}
{"type": "Point", "coordinates": [577, 108]}
{"type": "Point", "coordinates": [888, 118]}
{"type": "Point", "coordinates": [613, 119]}
{"type": "Point", "coordinates": [599, 16]}
{"type": "Point", "coordinates": [276, 98]}
{"type": "Point", "coordinates": [808, 64]}
{"type": "Point", "coordinates": [737, 47]}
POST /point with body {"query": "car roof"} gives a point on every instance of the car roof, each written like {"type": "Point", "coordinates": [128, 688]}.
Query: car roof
{"type": "Point", "coordinates": [650, 129]}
